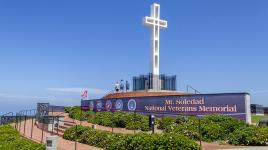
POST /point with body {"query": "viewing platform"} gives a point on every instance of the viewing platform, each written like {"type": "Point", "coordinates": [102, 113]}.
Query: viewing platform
{"type": "Point", "coordinates": [144, 94]}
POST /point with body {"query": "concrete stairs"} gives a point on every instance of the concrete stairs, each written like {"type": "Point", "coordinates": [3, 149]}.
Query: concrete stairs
{"type": "Point", "coordinates": [60, 130]}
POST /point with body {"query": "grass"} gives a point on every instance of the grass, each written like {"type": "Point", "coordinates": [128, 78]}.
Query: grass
{"type": "Point", "coordinates": [255, 119]}
{"type": "Point", "coordinates": [10, 139]}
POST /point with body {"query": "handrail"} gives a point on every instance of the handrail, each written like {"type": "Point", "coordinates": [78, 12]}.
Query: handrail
{"type": "Point", "coordinates": [195, 90]}
{"type": "Point", "coordinates": [7, 113]}
{"type": "Point", "coordinates": [28, 110]}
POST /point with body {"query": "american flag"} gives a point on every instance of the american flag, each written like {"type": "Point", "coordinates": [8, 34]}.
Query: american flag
{"type": "Point", "coordinates": [84, 94]}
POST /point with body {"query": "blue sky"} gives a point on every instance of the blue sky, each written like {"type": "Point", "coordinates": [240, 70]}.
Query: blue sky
{"type": "Point", "coordinates": [51, 50]}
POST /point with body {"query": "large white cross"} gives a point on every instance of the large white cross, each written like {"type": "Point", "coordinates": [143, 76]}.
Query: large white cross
{"type": "Point", "coordinates": [155, 24]}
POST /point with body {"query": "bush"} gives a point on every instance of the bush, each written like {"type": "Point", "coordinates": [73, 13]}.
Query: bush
{"type": "Point", "coordinates": [164, 122]}
{"type": "Point", "coordinates": [186, 125]}
{"type": "Point", "coordinates": [104, 118]}
{"type": "Point", "coordinates": [10, 139]}
{"type": "Point", "coordinates": [67, 109]}
{"type": "Point", "coordinates": [111, 119]}
{"type": "Point", "coordinates": [213, 127]}
{"type": "Point", "coordinates": [218, 127]}
{"type": "Point", "coordinates": [111, 141]}
{"type": "Point", "coordinates": [120, 119]}
{"type": "Point", "coordinates": [249, 135]}
{"type": "Point", "coordinates": [212, 132]}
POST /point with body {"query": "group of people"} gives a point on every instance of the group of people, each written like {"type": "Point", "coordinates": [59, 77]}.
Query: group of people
{"type": "Point", "coordinates": [121, 87]}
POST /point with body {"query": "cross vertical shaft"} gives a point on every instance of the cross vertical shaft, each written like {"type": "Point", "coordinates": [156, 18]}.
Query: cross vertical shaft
{"type": "Point", "coordinates": [155, 23]}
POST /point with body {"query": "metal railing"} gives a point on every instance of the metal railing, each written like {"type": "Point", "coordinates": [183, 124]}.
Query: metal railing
{"type": "Point", "coordinates": [190, 87]}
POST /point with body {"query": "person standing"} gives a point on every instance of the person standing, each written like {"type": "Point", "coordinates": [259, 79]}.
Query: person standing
{"type": "Point", "coordinates": [116, 87]}
{"type": "Point", "coordinates": [121, 86]}
{"type": "Point", "coordinates": [127, 86]}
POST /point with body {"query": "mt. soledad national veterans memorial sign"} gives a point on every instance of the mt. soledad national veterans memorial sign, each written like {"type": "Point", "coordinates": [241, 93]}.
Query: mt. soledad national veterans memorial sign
{"type": "Point", "coordinates": [233, 104]}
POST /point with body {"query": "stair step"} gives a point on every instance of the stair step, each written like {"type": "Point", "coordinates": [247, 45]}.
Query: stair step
{"type": "Point", "coordinates": [59, 130]}
{"type": "Point", "coordinates": [63, 127]}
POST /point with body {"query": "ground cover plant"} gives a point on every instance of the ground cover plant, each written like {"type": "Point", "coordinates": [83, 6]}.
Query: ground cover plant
{"type": "Point", "coordinates": [118, 119]}
{"type": "Point", "coordinates": [213, 127]}
{"type": "Point", "coordinates": [112, 141]}
{"type": "Point", "coordinates": [10, 139]}
{"type": "Point", "coordinates": [219, 128]}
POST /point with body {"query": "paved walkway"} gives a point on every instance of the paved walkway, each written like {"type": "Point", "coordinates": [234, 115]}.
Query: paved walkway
{"type": "Point", "coordinates": [99, 127]}
{"type": "Point", "coordinates": [62, 143]}
{"type": "Point", "coordinates": [254, 148]}
{"type": "Point", "coordinates": [216, 146]}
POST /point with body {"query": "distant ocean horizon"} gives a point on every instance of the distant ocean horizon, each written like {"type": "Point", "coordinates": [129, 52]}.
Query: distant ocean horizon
{"type": "Point", "coordinates": [17, 106]}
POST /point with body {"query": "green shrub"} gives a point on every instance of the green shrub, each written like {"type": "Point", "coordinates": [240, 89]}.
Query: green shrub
{"type": "Point", "coordinates": [104, 118]}
{"type": "Point", "coordinates": [229, 124]}
{"type": "Point", "coordinates": [186, 125]}
{"type": "Point", "coordinates": [164, 122]}
{"type": "Point", "coordinates": [67, 109]}
{"type": "Point", "coordinates": [137, 121]}
{"type": "Point", "coordinates": [249, 135]}
{"type": "Point", "coordinates": [118, 119]}
{"type": "Point", "coordinates": [213, 127]}
{"type": "Point", "coordinates": [111, 141]}
{"type": "Point", "coordinates": [10, 139]}
{"type": "Point", "coordinates": [212, 132]}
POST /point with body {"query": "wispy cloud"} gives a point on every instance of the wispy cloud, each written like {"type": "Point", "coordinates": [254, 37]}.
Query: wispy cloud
{"type": "Point", "coordinates": [6, 95]}
{"type": "Point", "coordinates": [94, 91]}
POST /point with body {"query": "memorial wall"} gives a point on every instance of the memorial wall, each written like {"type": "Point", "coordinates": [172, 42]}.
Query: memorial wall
{"type": "Point", "coordinates": [233, 104]}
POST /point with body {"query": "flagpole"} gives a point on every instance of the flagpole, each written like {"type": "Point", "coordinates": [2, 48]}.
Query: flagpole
{"type": "Point", "coordinates": [83, 95]}
{"type": "Point", "coordinates": [81, 111]}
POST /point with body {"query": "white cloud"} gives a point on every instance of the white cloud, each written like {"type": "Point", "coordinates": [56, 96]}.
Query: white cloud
{"type": "Point", "coordinates": [94, 91]}
{"type": "Point", "coordinates": [5, 95]}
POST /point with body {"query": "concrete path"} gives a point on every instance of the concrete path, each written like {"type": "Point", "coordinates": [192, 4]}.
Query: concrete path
{"type": "Point", "coordinates": [99, 127]}
{"type": "Point", "coordinates": [254, 148]}
{"type": "Point", "coordinates": [216, 146]}
{"type": "Point", "coordinates": [62, 143]}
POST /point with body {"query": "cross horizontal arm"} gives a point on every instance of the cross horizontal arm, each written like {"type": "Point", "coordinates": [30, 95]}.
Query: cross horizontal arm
{"type": "Point", "coordinates": [148, 21]}
{"type": "Point", "coordinates": [154, 22]}
{"type": "Point", "coordinates": [163, 23]}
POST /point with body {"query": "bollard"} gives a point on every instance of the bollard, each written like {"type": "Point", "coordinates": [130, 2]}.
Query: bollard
{"type": "Point", "coordinates": [24, 125]}
{"type": "Point", "coordinates": [94, 126]}
{"type": "Point", "coordinates": [52, 142]}
{"type": "Point", "coordinates": [20, 124]}
{"type": "Point", "coordinates": [42, 131]}
{"type": "Point", "coordinates": [32, 129]}
{"type": "Point", "coordinates": [58, 125]}
{"type": "Point", "coordinates": [151, 122]}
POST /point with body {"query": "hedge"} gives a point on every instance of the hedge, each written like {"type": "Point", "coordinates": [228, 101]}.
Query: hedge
{"type": "Point", "coordinates": [249, 135]}
{"type": "Point", "coordinates": [118, 119]}
{"type": "Point", "coordinates": [112, 141]}
{"type": "Point", "coordinates": [219, 128]}
{"type": "Point", "coordinates": [10, 139]}
{"type": "Point", "coordinates": [164, 122]}
{"type": "Point", "coordinates": [213, 127]}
